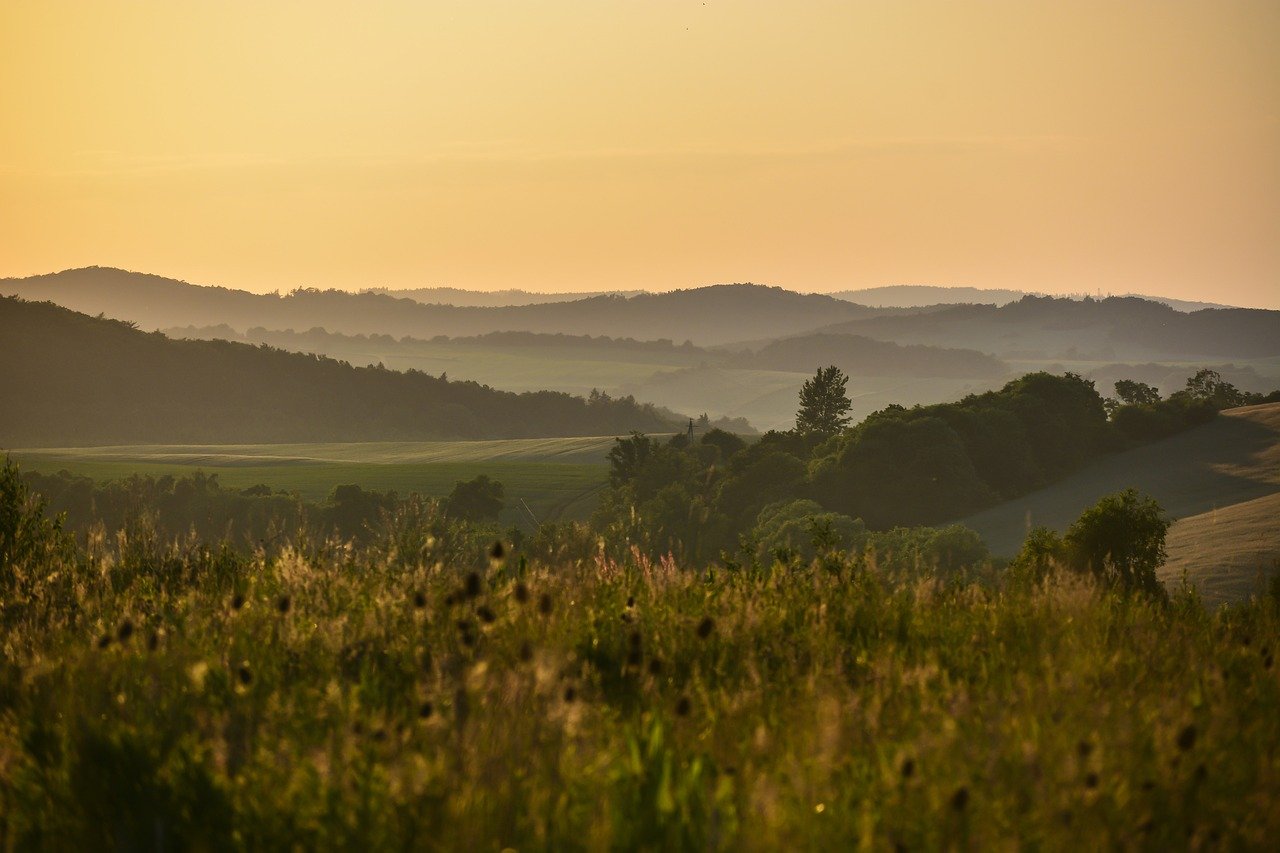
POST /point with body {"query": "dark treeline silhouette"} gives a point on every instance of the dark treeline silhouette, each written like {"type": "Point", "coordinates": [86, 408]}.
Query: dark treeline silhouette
{"type": "Point", "coordinates": [70, 379]}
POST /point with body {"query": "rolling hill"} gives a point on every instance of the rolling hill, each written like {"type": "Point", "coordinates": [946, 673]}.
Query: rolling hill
{"type": "Point", "coordinates": [1117, 328]}
{"type": "Point", "coordinates": [925, 295]}
{"type": "Point", "coordinates": [706, 315]}
{"type": "Point", "coordinates": [70, 379]}
{"type": "Point", "coordinates": [1220, 481]}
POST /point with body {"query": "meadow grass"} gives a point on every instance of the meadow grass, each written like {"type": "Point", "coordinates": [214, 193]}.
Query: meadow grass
{"type": "Point", "coordinates": [412, 695]}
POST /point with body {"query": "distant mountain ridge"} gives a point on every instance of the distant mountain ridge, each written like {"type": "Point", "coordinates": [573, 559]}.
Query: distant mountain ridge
{"type": "Point", "coordinates": [706, 316]}
{"type": "Point", "coordinates": [1115, 328]}
{"type": "Point", "coordinates": [927, 295]}
{"type": "Point", "coordinates": [490, 298]}
{"type": "Point", "coordinates": [71, 379]}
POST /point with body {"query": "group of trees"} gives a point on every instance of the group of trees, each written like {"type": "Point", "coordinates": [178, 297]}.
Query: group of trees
{"type": "Point", "coordinates": [174, 507]}
{"type": "Point", "coordinates": [899, 468]}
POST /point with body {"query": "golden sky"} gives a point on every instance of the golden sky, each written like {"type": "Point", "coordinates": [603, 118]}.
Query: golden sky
{"type": "Point", "coordinates": [552, 145]}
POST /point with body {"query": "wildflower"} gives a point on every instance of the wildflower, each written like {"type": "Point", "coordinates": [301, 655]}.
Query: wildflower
{"type": "Point", "coordinates": [908, 768]}
{"type": "Point", "coordinates": [544, 604]}
{"type": "Point", "coordinates": [960, 799]}
{"type": "Point", "coordinates": [237, 601]}
{"type": "Point", "coordinates": [125, 632]}
{"type": "Point", "coordinates": [104, 641]}
{"type": "Point", "coordinates": [1187, 738]}
{"type": "Point", "coordinates": [244, 673]}
{"type": "Point", "coordinates": [419, 600]}
{"type": "Point", "coordinates": [631, 601]}
{"type": "Point", "coordinates": [283, 603]}
{"type": "Point", "coordinates": [683, 706]}
{"type": "Point", "coordinates": [486, 615]}
{"type": "Point", "coordinates": [472, 585]}
{"type": "Point", "coordinates": [570, 694]}
{"type": "Point", "coordinates": [522, 592]}
{"type": "Point", "coordinates": [705, 627]}
{"type": "Point", "coordinates": [425, 710]}
{"type": "Point", "coordinates": [497, 552]}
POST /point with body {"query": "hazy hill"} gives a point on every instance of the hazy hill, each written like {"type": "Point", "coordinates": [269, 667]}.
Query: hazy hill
{"type": "Point", "coordinates": [924, 295]}
{"type": "Point", "coordinates": [705, 315]}
{"type": "Point", "coordinates": [67, 379]}
{"type": "Point", "coordinates": [490, 298]}
{"type": "Point", "coordinates": [862, 356]}
{"type": "Point", "coordinates": [1106, 329]}
{"type": "Point", "coordinates": [1221, 478]}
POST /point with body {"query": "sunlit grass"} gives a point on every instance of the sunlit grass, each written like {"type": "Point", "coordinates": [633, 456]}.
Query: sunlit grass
{"type": "Point", "coordinates": [411, 695]}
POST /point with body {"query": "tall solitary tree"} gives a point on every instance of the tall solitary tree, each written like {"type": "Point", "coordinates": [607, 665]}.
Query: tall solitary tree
{"type": "Point", "coordinates": [824, 403]}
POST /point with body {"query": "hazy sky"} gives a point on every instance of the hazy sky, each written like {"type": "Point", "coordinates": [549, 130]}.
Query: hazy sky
{"type": "Point", "coordinates": [1065, 146]}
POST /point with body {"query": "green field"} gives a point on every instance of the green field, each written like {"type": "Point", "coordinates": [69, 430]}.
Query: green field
{"type": "Point", "coordinates": [558, 478]}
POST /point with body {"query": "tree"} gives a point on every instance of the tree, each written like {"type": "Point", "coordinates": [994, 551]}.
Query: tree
{"type": "Point", "coordinates": [1209, 385]}
{"type": "Point", "coordinates": [1133, 393]}
{"type": "Point", "coordinates": [1121, 540]}
{"type": "Point", "coordinates": [824, 402]}
{"type": "Point", "coordinates": [478, 499]}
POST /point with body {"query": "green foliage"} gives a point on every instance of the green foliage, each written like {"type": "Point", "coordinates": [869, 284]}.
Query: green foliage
{"type": "Point", "coordinates": [803, 530]}
{"type": "Point", "coordinates": [28, 536]}
{"type": "Point", "coordinates": [824, 402]}
{"type": "Point", "coordinates": [1121, 540]}
{"type": "Point", "coordinates": [477, 499]}
{"type": "Point", "coordinates": [1133, 393]}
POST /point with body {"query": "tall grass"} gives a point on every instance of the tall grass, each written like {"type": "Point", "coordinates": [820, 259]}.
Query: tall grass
{"type": "Point", "coordinates": [170, 696]}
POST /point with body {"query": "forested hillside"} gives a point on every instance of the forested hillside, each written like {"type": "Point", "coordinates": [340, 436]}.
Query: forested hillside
{"type": "Point", "coordinates": [1112, 328]}
{"type": "Point", "coordinates": [862, 356]}
{"type": "Point", "coordinates": [66, 379]}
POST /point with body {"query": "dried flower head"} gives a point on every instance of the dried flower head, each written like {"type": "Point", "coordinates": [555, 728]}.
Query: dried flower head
{"type": "Point", "coordinates": [425, 710]}
{"type": "Point", "coordinates": [237, 601]}
{"type": "Point", "coordinates": [545, 604]}
{"type": "Point", "coordinates": [497, 552]}
{"type": "Point", "coordinates": [522, 592]}
{"type": "Point", "coordinates": [1187, 737]}
{"type": "Point", "coordinates": [486, 615]}
{"type": "Point", "coordinates": [705, 627]}
{"type": "Point", "coordinates": [472, 585]}
{"type": "Point", "coordinates": [960, 799]}
{"type": "Point", "coordinates": [125, 631]}
{"type": "Point", "coordinates": [283, 604]}
{"type": "Point", "coordinates": [419, 599]}
{"type": "Point", "coordinates": [683, 706]}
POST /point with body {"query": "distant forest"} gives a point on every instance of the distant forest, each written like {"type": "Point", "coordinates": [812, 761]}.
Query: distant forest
{"type": "Point", "coordinates": [70, 379]}
{"type": "Point", "coordinates": [854, 354]}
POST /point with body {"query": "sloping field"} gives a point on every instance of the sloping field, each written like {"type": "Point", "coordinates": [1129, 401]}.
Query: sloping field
{"type": "Point", "coordinates": [1226, 552]}
{"type": "Point", "coordinates": [1224, 466]}
{"type": "Point", "coordinates": [584, 450]}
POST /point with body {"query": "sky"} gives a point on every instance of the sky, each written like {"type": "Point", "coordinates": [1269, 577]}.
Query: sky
{"type": "Point", "coordinates": [1101, 147]}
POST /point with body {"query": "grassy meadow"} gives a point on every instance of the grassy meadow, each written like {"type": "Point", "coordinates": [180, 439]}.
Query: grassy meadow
{"type": "Point", "coordinates": [559, 478]}
{"type": "Point", "coordinates": [417, 694]}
